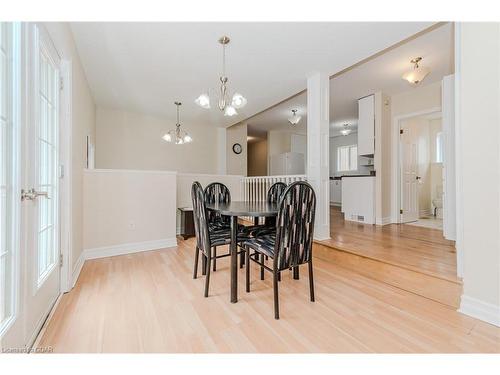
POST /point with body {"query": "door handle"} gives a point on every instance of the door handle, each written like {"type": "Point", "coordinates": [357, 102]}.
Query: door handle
{"type": "Point", "coordinates": [32, 194]}
{"type": "Point", "coordinates": [418, 178]}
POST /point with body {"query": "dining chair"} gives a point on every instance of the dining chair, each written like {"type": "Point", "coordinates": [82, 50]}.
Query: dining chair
{"type": "Point", "coordinates": [207, 237]}
{"type": "Point", "coordinates": [291, 246]}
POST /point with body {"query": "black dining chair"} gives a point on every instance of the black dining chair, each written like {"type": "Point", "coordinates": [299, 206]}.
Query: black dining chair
{"type": "Point", "coordinates": [291, 246]}
{"type": "Point", "coordinates": [207, 237]}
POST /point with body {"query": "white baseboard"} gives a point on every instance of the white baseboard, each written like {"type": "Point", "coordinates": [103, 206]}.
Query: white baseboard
{"type": "Point", "coordinates": [383, 220]}
{"type": "Point", "coordinates": [129, 248]}
{"type": "Point", "coordinates": [424, 213]}
{"type": "Point", "coordinates": [110, 251]}
{"type": "Point", "coordinates": [479, 309]}
{"type": "Point", "coordinates": [77, 269]}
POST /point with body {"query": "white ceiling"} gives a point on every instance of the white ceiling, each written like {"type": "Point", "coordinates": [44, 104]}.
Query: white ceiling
{"type": "Point", "coordinates": [382, 73]}
{"type": "Point", "coordinates": [145, 67]}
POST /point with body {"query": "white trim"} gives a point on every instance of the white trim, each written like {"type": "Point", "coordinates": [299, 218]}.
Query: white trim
{"type": "Point", "coordinates": [128, 171]}
{"type": "Point", "coordinates": [396, 167]}
{"type": "Point", "coordinates": [424, 212]}
{"type": "Point", "coordinates": [128, 248]}
{"type": "Point", "coordinates": [77, 268]}
{"type": "Point", "coordinates": [211, 175]}
{"type": "Point", "coordinates": [480, 310]}
{"type": "Point", "coordinates": [383, 221]}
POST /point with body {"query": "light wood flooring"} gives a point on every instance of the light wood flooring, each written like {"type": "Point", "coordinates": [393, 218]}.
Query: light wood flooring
{"type": "Point", "coordinates": [148, 302]}
{"type": "Point", "coordinates": [417, 248]}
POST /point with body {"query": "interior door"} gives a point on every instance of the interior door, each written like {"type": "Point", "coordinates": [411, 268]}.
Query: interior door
{"type": "Point", "coordinates": [41, 194]}
{"type": "Point", "coordinates": [409, 176]}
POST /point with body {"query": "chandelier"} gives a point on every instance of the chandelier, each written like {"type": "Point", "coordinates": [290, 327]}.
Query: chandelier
{"type": "Point", "coordinates": [237, 100]}
{"type": "Point", "coordinates": [294, 119]}
{"type": "Point", "coordinates": [417, 74]}
{"type": "Point", "coordinates": [177, 135]}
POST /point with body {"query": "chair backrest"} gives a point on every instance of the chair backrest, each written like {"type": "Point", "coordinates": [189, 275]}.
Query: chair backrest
{"type": "Point", "coordinates": [217, 192]}
{"type": "Point", "coordinates": [275, 191]}
{"type": "Point", "coordinates": [200, 218]}
{"type": "Point", "coordinates": [273, 196]}
{"type": "Point", "coordinates": [295, 226]}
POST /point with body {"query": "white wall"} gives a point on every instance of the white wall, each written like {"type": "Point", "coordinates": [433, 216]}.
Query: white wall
{"type": "Point", "coordinates": [236, 163]}
{"type": "Point", "coordinates": [127, 209]}
{"type": "Point", "coordinates": [83, 124]}
{"type": "Point", "coordinates": [478, 235]}
{"type": "Point", "coordinates": [129, 140]}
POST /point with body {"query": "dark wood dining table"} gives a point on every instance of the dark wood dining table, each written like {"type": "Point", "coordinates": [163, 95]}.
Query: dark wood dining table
{"type": "Point", "coordinates": [235, 210]}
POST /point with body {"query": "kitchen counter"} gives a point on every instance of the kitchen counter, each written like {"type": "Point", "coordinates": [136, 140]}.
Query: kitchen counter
{"type": "Point", "coordinates": [351, 175]}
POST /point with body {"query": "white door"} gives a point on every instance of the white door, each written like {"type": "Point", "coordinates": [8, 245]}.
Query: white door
{"type": "Point", "coordinates": [31, 162]}
{"type": "Point", "coordinates": [409, 176]}
{"type": "Point", "coordinates": [42, 179]}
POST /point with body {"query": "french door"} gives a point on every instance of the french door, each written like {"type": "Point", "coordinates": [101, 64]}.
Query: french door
{"type": "Point", "coordinates": [33, 158]}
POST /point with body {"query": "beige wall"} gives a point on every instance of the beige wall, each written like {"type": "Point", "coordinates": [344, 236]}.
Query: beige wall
{"type": "Point", "coordinates": [416, 99]}
{"type": "Point", "coordinates": [83, 124]}
{"type": "Point", "coordinates": [129, 140]}
{"type": "Point", "coordinates": [257, 158]}
{"type": "Point", "coordinates": [236, 163]}
{"type": "Point", "coordinates": [479, 152]}
{"type": "Point", "coordinates": [124, 207]}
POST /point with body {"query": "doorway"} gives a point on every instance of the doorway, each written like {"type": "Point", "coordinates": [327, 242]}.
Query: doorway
{"type": "Point", "coordinates": [31, 182]}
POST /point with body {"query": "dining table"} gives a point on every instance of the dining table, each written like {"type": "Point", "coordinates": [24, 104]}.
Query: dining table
{"type": "Point", "coordinates": [235, 210]}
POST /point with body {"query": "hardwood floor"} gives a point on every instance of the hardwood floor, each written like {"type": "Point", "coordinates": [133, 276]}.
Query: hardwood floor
{"type": "Point", "coordinates": [148, 302]}
{"type": "Point", "coordinates": [417, 248]}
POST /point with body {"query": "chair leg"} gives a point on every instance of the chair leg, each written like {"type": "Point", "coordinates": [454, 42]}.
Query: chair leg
{"type": "Point", "coordinates": [203, 264]}
{"type": "Point", "coordinates": [296, 273]}
{"type": "Point", "coordinates": [279, 276]}
{"type": "Point", "coordinates": [262, 266]}
{"type": "Point", "coordinates": [196, 255]}
{"type": "Point", "coordinates": [311, 280]}
{"type": "Point", "coordinates": [242, 260]}
{"type": "Point", "coordinates": [207, 279]}
{"type": "Point", "coordinates": [215, 258]}
{"type": "Point", "coordinates": [275, 289]}
{"type": "Point", "coordinates": [247, 271]}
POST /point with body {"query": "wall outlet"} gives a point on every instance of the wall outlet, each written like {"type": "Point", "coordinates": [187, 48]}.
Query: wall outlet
{"type": "Point", "coordinates": [131, 225]}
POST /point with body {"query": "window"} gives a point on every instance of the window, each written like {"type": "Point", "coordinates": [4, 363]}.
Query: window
{"type": "Point", "coordinates": [347, 158]}
{"type": "Point", "coordinates": [439, 147]}
{"type": "Point", "coordinates": [9, 95]}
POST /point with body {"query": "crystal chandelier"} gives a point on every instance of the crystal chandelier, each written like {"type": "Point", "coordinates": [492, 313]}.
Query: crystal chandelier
{"type": "Point", "coordinates": [177, 135]}
{"type": "Point", "coordinates": [237, 101]}
{"type": "Point", "coordinates": [294, 119]}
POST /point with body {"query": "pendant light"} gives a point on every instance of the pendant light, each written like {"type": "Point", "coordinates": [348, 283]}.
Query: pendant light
{"type": "Point", "coordinates": [237, 101]}
{"type": "Point", "coordinates": [345, 131]}
{"type": "Point", "coordinates": [294, 119]}
{"type": "Point", "coordinates": [177, 135]}
{"type": "Point", "coordinates": [417, 74]}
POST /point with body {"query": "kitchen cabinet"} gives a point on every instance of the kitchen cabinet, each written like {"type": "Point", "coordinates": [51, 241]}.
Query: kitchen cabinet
{"type": "Point", "coordinates": [336, 192]}
{"type": "Point", "coordinates": [358, 199]}
{"type": "Point", "coordinates": [366, 125]}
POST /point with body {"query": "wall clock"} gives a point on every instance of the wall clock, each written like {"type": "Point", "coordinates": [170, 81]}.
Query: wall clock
{"type": "Point", "coordinates": [237, 148]}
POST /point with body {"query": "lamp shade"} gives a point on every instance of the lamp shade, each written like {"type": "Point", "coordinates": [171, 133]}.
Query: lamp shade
{"type": "Point", "coordinates": [416, 75]}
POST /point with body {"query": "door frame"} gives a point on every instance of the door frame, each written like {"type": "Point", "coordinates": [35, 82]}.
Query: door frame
{"type": "Point", "coordinates": [396, 159]}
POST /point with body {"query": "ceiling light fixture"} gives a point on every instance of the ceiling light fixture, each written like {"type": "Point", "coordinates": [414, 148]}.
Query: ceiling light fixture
{"type": "Point", "coordinates": [238, 101]}
{"type": "Point", "coordinates": [345, 130]}
{"type": "Point", "coordinates": [294, 119]}
{"type": "Point", "coordinates": [177, 135]}
{"type": "Point", "coordinates": [417, 74]}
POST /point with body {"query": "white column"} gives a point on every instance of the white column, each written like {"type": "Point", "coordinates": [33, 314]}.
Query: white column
{"type": "Point", "coordinates": [318, 120]}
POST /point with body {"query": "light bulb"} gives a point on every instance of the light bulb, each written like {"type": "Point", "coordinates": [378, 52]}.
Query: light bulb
{"type": "Point", "coordinates": [187, 138]}
{"type": "Point", "coordinates": [203, 101]}
{"type": "Point", "coordinates": [239, 101]}
{"type": "Point", "coordinates": [230, 111]}
{"type": "Point", "coordinates": [167, 137]}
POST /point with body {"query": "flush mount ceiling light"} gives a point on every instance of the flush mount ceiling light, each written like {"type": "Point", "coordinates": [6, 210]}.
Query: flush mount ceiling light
{"type": "Point", "coordinates": [237, 101]}
{"type": "Point", "coordinates": [345, 130]}
{"type": "Point", "coordinates": [417, 74]}
{"type": "Point", "coordinates": [294, 119]}
{"type": "Point", "coordinates": [177, 135]}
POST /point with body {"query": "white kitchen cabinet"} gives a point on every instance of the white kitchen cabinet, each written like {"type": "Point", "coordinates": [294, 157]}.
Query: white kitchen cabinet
{"type": "Point", "coordinates": [358, 199]}
{"type": "Point", "coordinates": [366, 125]}
{"type": "Point", "coordinates": [336, 192]}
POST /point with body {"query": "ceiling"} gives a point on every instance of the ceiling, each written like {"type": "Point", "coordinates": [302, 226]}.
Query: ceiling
{"type": "Point", "coordinates": [145, 67]}
{"type": "Point", "coordinates": [382, 73]}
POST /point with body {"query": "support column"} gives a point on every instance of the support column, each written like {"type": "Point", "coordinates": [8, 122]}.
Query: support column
{"type": "Point", "coordinates": [318, 132]}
